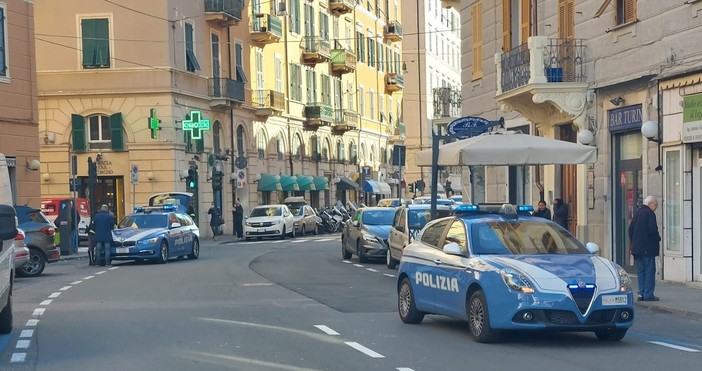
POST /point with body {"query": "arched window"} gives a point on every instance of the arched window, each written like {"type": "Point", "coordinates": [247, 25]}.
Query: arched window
{"type": "Point", "coordinates": [388, 156]}
{"type": "Point", "coordinates": [217, 128]}
{"type": "Point", "coordinates": [99, 132]}
{"type": "Point", "coordinates": [340, 151]}
{"type": "Point", "coordinates": [280, 146]}
{"type": "Point", "coordinates": [261, 144]}
{"type": "Point", "coordinates": [314, 148]}
{"type": "Point", "coordinates": [240, 141]}
{"type": "Point", "coordinates": [371, 155]}
{"type": "Point", "coordinates": [383, 155]}
{"type": "Point", "coordinates": [353, 153]}
{"type": "Point", "coordinates": [326, 149]}
{"type": "Point", "coordinates": [297, 147]}
{"type": "Point", "coordinates": [362, 156]}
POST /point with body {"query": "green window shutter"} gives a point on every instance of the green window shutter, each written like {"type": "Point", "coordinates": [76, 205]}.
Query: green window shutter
{"type": "Point", "coordinates": [3, 48]}
{"type": "Point", "coordinates": [116, 132]}
{"type": "Point", "coordinates": [96, 43]}
{"type": "Point", "coordinates": [78, 131]}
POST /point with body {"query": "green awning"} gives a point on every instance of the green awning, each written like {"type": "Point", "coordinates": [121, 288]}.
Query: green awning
{"type": "Point", "coordinates": [269, 183]}
{"type": "Point", "coordinates": [289, 183]}
{"type": "Point", "coordinates": [306, 183]}
{"type": "Point", "coordinates": [321, 183]}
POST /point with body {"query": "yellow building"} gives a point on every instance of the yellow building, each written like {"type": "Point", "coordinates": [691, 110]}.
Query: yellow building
{"type": "Point", "coordinates": [327, 91]}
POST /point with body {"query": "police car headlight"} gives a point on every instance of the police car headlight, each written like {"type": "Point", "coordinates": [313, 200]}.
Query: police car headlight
{"type": "Point", "coordinates": [149, 241]}
{"type": "Point", "coordinates": [516, 281]}
{"type": "Point", "coordinates": [624, 280]}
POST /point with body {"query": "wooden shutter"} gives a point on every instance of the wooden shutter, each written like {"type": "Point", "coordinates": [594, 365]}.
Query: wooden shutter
{"type": "Point", "coordinates": [506, 26]}
{"type": "Point", "coordinates": [566, 19]}
{"type": "Point", "coordinates": [525, 21]}
{"type": "Point", "coordinates": [116, 132]}
{"type": "Point", "coordinates": [629, 11]}
{"type": "Point", "coordinates": [477, 16]}
{"type": "Point", "coordinates": [78, 133]}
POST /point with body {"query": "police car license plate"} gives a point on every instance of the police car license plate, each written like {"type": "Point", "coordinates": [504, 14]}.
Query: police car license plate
{"type": "Point", "coordinates": [614, 300]}
{"type": "Point", "coordinates": [122, 250]}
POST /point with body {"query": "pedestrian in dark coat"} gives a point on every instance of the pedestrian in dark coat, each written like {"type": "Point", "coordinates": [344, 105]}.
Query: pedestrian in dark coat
{"type": "Point", "coordinates": [239, 219]}
{"type": "Point", "coordinates": [560, 212]}
{"type": "Point", "coordinates": [542, 211]}
{"type": "Point", "coordinates": [215, 215]}
{"type": "Point", "coordinates": [104, 224]}
{"type": "Point", "coordinates": [645, 246]}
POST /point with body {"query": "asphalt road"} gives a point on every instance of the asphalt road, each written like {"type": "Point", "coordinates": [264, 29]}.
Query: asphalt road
{"type": "Point", "coordinates": [288, 305]}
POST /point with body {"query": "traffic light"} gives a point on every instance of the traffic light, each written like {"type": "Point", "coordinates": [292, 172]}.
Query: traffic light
{"type": "Point", "coordinates": [411, 187]}
{"type": "Point", "coordinates": [191, 179]}
{"type": "Point", "coordinates": [419, 186]}
{"type": "Point", "coordinates": [154, 124]}
{"type": "Point", "coordinates": [217, 177]}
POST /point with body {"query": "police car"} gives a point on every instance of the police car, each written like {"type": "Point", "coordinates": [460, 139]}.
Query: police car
{"type": "Point", "coordinates": [501, 269]}
{"type": "Point", "coordinates": [155, 233]}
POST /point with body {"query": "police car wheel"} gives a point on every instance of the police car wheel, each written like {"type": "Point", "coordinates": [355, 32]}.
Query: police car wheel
{"type": "Point", "coordinates": [163, 253]}
{"type": "Point", "coordinates": [390, 262]}
{"type": "Point", "coordinates": [344, 253]}
{"type": "Point", "coordinates": [405, 304]}
{"type": "Point", "coordinates": [611, 334]}
{"type": "Point", "coordinates": [196, 250]}
{"type": "Point", "coordinates": [362, 258]}
{"type": "Point", "coordinates": [479, 319]}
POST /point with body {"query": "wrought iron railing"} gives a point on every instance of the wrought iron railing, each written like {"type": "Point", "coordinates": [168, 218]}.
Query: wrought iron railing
{"type": "Point", "coordinates": [227, 88]}
{"type": "Point", "coordinates": [265, 98]}
{"type": "Point", "coordinates": [268, 23]}
{"type": "Point", "coordinates": [230, 7]}
{"type": "Point", "coordinates": [515, 68]}
{"type": "Point", "coordinates": [313, 44]}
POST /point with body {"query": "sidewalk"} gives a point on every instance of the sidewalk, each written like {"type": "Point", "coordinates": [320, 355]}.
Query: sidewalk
{"type": "Point", "coordinates": [682, 299]}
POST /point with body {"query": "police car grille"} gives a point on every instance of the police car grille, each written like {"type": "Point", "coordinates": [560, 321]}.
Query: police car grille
{"type": "Point", "coordinates": [561, 317]}
{"type": "Point", "coordinates": [582, 297]}
{"type": "Point", "coordinates": [601, 317]}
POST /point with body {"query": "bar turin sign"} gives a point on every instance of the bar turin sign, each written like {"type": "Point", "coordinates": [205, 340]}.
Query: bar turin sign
{"type": "Point", "coordinates": [625, 118]}
{"type": "Point", "coordinates": [692, 118]}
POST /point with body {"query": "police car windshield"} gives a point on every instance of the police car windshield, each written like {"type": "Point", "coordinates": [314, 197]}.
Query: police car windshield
{"type": "Point", "coordinates": [378, 217]}
{"type": "Point", "coordinates": [266, 211]}
{"type": "Point", "coordinates": [144, 221]}
{"type": "Point", "coordinates": [523, 237]}
{"type": "Point", "coordinates": [419, 218]}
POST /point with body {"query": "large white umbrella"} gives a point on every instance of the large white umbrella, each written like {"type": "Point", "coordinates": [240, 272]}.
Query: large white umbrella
{"type": "Point", "coordinates": [509, 148]}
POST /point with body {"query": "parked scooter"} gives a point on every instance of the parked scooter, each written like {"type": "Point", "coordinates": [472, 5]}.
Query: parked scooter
{"type": "Point", "coordinates": [331, 223]}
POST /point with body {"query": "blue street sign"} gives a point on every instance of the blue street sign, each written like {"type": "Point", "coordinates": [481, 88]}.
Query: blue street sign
{"type": "Point", "coordinates": [470, 125]}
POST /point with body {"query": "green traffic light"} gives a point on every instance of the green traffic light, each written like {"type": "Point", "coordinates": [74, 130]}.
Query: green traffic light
{"type": "Point", "coordinates": [191, 184]}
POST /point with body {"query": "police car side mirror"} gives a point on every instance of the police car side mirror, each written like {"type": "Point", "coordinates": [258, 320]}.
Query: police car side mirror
{"type": "Point", "coordinates": [453, 248]}
{"type": "Point", "coordinates": [592, 248]}
{"type": "Point", "coordinates": [175, 225]}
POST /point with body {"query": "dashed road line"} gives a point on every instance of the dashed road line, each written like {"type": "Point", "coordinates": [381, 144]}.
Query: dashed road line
{"type": "Point", "coordinates": [75, 282]}
{"type": "Point", "coordinates": [54, 295]}
{"type": "Point", "coordinates": [359, 265]}
{"type": "Point", "coordinates": [38, 312]}
{"type": "Point", "coordinates": [65, 288]}
{"type": "Point", "coordinates": [372, 270]}
{"type": "Point", "coordinates": [22, 344]}
{"type": "Point", "coordinates": [389, 275]}
{"type": "Point", "coordinates": [26, 333]}
{"type": "Point", "coordinates": [89, 277]}
{"type": "Point", "coordinates": [32, 323]}
{"type": "Point", "coordinates": [326, 330]}
{"type": "Point", "coordinates": [364, 350]}
{"type": "Point", "coordinates": [45, 302]}
{"type": "Point", "coordinates": [404, 369]}
{"type": "Point", "coordinates": [18, 357]}
{"type": "Point", "coordinates": [673, 346]}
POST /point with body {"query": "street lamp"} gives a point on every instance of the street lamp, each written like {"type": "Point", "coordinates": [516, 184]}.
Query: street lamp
{"type": "Point", "coordinates": [651, 130]}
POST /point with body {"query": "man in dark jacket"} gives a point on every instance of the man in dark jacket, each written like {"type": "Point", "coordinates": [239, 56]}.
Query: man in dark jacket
{"type": "Point", "coordinates": [645, 246]}
{"type": "Point", "coordinates": [104, 224]}
{"type": "Point", "coordinates": [542, 211]}
{"type": "Point", "coordinates": [239, 219]}
{"type": "Point", "coordinates": [560, 212]}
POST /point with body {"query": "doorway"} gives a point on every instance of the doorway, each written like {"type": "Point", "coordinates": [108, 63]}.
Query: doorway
{"type": "Point", "coordinates": [628, 193]}
{"type": "Point", "coordinates": [108, 191]}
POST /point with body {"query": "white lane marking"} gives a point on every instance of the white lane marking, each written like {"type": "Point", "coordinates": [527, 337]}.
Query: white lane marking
{"type": "Point", "coordinates": [45, 302]}
{"type": "Point", "coordinates": [372, 270]}
{"type": "Point", "coordinates": [87, 278]}
{"type": "Point", "coordinates": [347, 261]}
{"type": "Point", "coordinates": [112, 268]}
{"type": "Point", "coordinates": [298, 241]}
{"type": "Point", "coordinates": [404, 369]}
{"type": "Point", "coordinates": [32, 323]}
{"type": "Point", "coordinates": [38, 312]}
{"type": "Point", "coordinates": [18, 357]}
{"type": "Point", "coordinates": [55, 295]}
{"type": "Point", "coordinates": [256, 284]}
{"type": "Point", "coordinates": [364, 350]}
{"type": "Point", "coordinates": [65, 288]}
{"type": "Point", "coordinates": [101, 272]}
{"type": "Point", "coordinates": [678, 347]}
{"type": "Point", "coordinates": [278, 241]}
{"type": "Point", "coordinates": [75, 282]}
{"type": "Point", "coordinates": [22, 344]}
{"type": "Point", "coordinates": [359, 265]}
{"type": "Point", "coordinates": [328, 239]}
{"type": "Point", "coordinates": [326, 330]}
{"type": "Point", "coordinates": [389, 275]}
{"type": "Point", "coordinates": [26, 333]}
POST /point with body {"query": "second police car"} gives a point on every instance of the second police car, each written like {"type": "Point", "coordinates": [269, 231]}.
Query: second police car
{"type": "Point", "coordinates": [503, 270]}
{"type": "Point", "coordinates": [155, 233]}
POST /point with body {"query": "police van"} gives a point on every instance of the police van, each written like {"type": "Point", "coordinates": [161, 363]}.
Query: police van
{"type": "Point", "coordinates": [8, 231]}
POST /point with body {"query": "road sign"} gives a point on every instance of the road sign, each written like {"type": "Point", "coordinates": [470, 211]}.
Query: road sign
{"type": "Point", "coordinates": [241, 178]}
{"type": "Point", "coordinates": [74, 165]}
{"type": "Point", "coordinates": [398, 155]}
{"type": "Point", "coordinates": [366, 171]}
{"type": "Point", "coordinates": [241, 162]}
{"type": "Point", "coordinates": [135, 174]}
{"type": "Point", "coordinates": [471, 125]}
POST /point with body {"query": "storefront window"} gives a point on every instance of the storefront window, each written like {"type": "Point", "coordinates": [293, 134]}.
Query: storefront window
{"type": "Point", "coordinates": [673, 201]}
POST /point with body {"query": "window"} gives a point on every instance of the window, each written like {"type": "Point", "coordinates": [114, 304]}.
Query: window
{"type": "Point", "coordinates": [325, 150]}
{"type": "Point", "coordinates": [278, 74]}
{"type": "Point", "coordinates": [191, 63]}
{"type": "Point", "coordinates": [99, 131]}
{"type": "Point", "coordinates": [626, 11]}
{"type": "Point", "coordinates": [326, 89]}
{"type": "Point", "coordinates": [673, 197]}
{"type": "Point", "coordinates": [477, 17]}
{"type": "Point", "coordinates": [217, 128]}
{"type": "Point", "coordinates": [240, 141]}
{"type": "Point", "coordinates": [280, 145]}
{"type": "Point", "coordinates": [311, 81]}
{"type": "Point", "coordinates": [353, 153]}
{"type": "Point", "coordinates": [340, 151]}
{"type": "Point", "coordinates": [3, 42]}
{"type": "Point", "coordinates": [295, 16]}
{"type": "Point", "coordinates": [295, 82]}
{"type": "Point", "coordinates": [372, 105]}
{"type": "Point", "coordinates": [239, 58]}
{"type": "Point", "coordinates": [261, 144]}
{"type": "Point", "coordinates": [361, 101]}
{"type": "Point", "coordinates": [95, 34]}
{"type": "Point", "coordinates": [372, 155]}
{"type": "Point", "coordinates": [433, 233]}
{"type": "Point", "coordinates": [457, 234]}
{"type": "Point", "coordinates": [314, 148]}
{"type": "Point", "coordinates": [371, 52]}
{"type": "Point", "coordinates": [297, 147]}
{"type": "Point", "coordinates": [103, 132]}
{"type": "Point", "coordinates": [324, 26]}
{"type": "Point", "coordinates": [360, 46]}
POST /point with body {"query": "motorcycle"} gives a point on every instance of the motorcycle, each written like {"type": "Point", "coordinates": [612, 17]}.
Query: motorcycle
{"type": "Point", "coordinates": [331, 223]}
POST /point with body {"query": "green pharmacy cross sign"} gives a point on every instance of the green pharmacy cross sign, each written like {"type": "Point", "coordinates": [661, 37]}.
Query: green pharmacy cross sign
{"type": "Point", "coordinates": [196, 124]}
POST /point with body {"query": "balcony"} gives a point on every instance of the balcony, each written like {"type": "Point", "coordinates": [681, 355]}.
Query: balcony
{"type": "Point", "coordinates": [315, 50]}
{"type": "Point", "coordinates": [398, 134]}
{"type": "Point", "coordinates": [267, 102]}
{"type": "Point", "coordinates": [393, 31]}
{"type": "Point", "coordinates": [345, 120]}
{"type": "Point", "coordinates": [223, 13]}
{"type": "Point", "coordinates": [318, 114]}
{"type": "Point", "coordinates": [266, 29]}
{"type": "Point", "coordinates": [394, 82]}
{"type": "Point", "coordinates": [544, 80]}
{"type": "Point", "coordinates": [226, 93]}
{"type": "Point", "coordinates": [342, 61]}
{"type": "Point", "coordinates": [450, 4]}
{"type": "Point", "coordinates": [340, 7]}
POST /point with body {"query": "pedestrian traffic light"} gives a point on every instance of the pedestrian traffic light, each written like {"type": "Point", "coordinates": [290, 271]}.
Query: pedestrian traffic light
{"type": "Point", "coordinates": [217, 177]}
{"type": "Point", "coordinates": [154, 124]}
{"type": "Point", "coordinates": [192, 178]}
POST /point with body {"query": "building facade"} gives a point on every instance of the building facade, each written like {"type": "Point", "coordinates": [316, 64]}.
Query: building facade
{"type": "Point", "coordinates": [622, 76]}
{"type": "Point", "coordinates": [432, 55]}
{"type": "Point", "coordinates": [19, 116]}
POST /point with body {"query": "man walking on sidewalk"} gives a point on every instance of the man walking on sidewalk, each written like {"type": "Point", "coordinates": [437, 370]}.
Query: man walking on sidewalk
{"type": "Point", "coordinates": [104, 224]}
{"type": "Point", "coordinates": [645, 246]}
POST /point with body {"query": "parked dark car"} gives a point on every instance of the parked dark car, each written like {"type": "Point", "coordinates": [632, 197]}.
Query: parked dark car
{"type": "Point", "coordinates": [366, 233]}
{"type": "Point", "coordinates": [39, 238]}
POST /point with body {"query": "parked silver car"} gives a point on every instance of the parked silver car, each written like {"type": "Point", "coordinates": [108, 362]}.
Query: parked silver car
{"type": "Point", "coordinates": [305, 217]}
{"type": "Point", "coordinates": [408, 221]}
{"type": "Point", "coordinates": [21, 250]}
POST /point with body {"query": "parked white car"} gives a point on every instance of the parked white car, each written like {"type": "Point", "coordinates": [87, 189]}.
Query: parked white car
{"type": "Point", "coordinates": [269, 221]}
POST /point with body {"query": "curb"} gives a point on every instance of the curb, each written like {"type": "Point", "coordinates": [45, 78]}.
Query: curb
{"type": "Point", "coordinates": [666, 309]}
